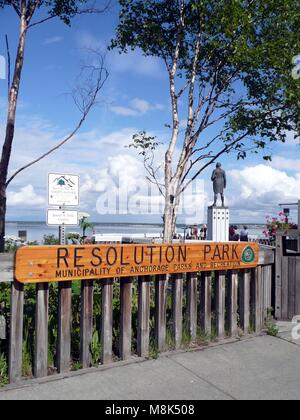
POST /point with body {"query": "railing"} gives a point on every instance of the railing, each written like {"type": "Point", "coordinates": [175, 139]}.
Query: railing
{"type": "Point", "coordinates": [175, 309]}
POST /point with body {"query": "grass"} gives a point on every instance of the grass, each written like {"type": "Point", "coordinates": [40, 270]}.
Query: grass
{"type": "Point", "coordinates": [271, 326]}
{"type": "Point", "coordinates": [3, 370]}
{"type": "Point", "coordinates": [76, 366]}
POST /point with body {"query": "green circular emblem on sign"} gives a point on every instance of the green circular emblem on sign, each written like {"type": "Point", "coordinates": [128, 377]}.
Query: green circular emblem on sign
{"type": "Point", "coordinates": [248, 256]}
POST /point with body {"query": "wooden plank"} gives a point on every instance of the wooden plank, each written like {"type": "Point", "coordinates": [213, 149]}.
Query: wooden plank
{"type": "Point", "coordinates": [177, 292]}
{"type": "Point", "coordinates": [288, 232]}
{"type": "Point", "coordinates": [86, 323]}
{"type": "Point", "coordinates": [268, 288]}
{"type": "Point", "coordinates": [285, 289]}
{"type": "Point", "coordinates": [270, 277]}
{"type": "Point", "coordinates": [292, 288]}
{"type": "Point", "coordinates": [126, 318]}
{"type": "Point", "coordinates": [107, 321]}
{"type": "Point", "coordinates": [41, 331]}
{"type": "Point", "coordinates": [192, 304]}
{"type": "Point", "coordinates": [265, 289]}
{"type": "Point", "coordinates": [206, 303]}
{"type": "Point", "coordinates": [278, 278]}
{"type": "Point", "coordinates": [91, 262]}
{"type": "Point", "coordinates": [161, 285]}
{"type": "Point", "coordinates": [266, 255]}
{"type": "Point", "coordinates": [297, 306]}
{"type": "Point", "coordinates": [220, 303]}
{"type": "Point", "coordinates": [16, 332]}
{"type": "Point", "coordinates": [7, 268]}
{"type": "Point", "coordinates": [256, 285]}
{"type": "Point", "coordinates": [245, 301]}
{"type": "Point", "coordinates": [143, 335]}
{"type": "Point", "coordinates": [64, 327]}
{"type": "Point", "coordinates": [233, 303]}
{"type": "Point", "coordinates": [264, 301]}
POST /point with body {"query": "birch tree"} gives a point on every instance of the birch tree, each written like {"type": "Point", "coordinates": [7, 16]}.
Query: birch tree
{"type": "Point", "coordinates": [229, 69]}
{"type": "Point", "coordinates": [31, 14]}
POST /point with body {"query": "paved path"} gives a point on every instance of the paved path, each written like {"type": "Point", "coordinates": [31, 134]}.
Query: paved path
{"type": "Point", "coordinates": [256, 368]}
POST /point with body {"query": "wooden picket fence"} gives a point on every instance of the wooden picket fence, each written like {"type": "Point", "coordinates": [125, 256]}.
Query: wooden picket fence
{"type": "Point", "coordinates": [287, 275]}
{"type": "Point", "coordinates": [226, 302]}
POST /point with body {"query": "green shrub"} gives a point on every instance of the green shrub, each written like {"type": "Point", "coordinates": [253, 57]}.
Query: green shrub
{"type": "Point", "coordinates": [3, 370]}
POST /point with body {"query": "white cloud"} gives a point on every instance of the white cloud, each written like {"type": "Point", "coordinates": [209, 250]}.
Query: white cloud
{"type": "Point", "coordinates": [135, 62]}
{"type": "Point", "coordinates": [124, 112]}
{"type": "Point", "coordinates": [256, 191]}
{"type": "Point", "coordinates": [132, 62]}
{"type": "Point", "coordinates": [25, 197]}
{"type": "Point", "coordinates": [53, 40]}
{"type": "Point", "coordinates": [291, 140]}
{"type": "Point", "coordinates": [105, 164]}
{"type": "Point", "coordinates": [137, 108]}
{"type": "Point", "coordinates": [284, 163]}
{"type": "Point", "coordinates": [87, 40]}
{"type": "Point", "coordinates": [2, 68]}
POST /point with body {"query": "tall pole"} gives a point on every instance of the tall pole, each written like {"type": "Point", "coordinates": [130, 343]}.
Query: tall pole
{"type": "Point", "coordinates": [62, 232]}
{"type": "Point", "coordinates": [298, 225]}
{"type": "Point", "coordinates": [62, 235]}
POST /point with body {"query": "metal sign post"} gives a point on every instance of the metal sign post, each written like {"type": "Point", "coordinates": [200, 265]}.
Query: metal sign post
{"type": "Point", "coordinates": [63, 192]}
{"type": "Point", "coordinates": [62, 235]}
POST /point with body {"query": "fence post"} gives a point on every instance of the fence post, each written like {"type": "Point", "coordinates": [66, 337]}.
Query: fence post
{"type": "Point", "coordinates": [86, 323]}
{"type": "Point", "coordinates": [297, 307]}
{"type": "Point", "coordinates": [143, 335]}
{"type": "Point", "coordinates": [16, 332]}
{"type": "Point", "coordinates": [233, 303]}
{"type": "Point", "coordinates": [205, 303]}
{"type": "Point", "coordinates": [41, 330]}
{"type": "Point", "coordinates": [257, 298]}
{"type": "Point", "coordinates": [107, 320]}
{"type": "Point", "coordinates": [278, 281]}
{"type": "Point", "coordinates": [192, 300]}
{"type": "Point", "coordinates": [161, 285]}
{"type": "Point", "coordinates": [245, 301]}
{"type": "Point", "coordinates": [64, 327]}
{"type": "Point", "coordinates": [177, 291]}
{"type": "Point", "coordinates": [125, 317]}
{"type": "Point", "coordinates": [220, 303]}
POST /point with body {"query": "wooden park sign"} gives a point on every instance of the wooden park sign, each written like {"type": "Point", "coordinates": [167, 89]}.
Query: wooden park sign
{"type": "Point", "coordinates": [64, 263]}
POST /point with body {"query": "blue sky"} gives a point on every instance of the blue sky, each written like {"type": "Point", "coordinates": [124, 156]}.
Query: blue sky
{"type": "Point", "coordinates": [134, 98]}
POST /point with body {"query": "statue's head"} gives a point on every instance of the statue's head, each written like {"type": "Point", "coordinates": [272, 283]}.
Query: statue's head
{"type": "Point", "coordinates": [219, 165]}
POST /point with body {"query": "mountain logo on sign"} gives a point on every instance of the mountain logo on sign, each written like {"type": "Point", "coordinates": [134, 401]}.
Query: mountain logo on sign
{"type": "Point", "coordinates": [64, 182]}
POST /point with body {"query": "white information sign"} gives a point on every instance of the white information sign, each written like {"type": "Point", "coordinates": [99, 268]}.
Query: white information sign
{"type": "Point", "coordinates": [63, 190]}
{"type": "Point", "coordinates": [62, 218]}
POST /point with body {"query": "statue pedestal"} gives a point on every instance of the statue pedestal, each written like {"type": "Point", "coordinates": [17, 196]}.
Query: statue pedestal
{"type": "Point", "coordinates": [218, 224]}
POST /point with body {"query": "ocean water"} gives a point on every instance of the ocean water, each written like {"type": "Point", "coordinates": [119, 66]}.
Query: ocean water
{"type": "Point", "coordinates": [37, 230]}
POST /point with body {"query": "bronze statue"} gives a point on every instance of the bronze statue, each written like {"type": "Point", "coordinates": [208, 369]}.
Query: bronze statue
{"type": "Point", "coordinates": [220, 183]}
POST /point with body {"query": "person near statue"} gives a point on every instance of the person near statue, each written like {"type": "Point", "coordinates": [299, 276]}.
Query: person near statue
{"type": "Point", "coordinates": [219, 183]}
{"type": "Point", "coordinates": [244, 234]}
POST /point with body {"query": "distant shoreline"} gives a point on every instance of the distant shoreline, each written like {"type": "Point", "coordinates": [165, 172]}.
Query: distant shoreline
{"type": "Point", "coordinates": [22, 222]}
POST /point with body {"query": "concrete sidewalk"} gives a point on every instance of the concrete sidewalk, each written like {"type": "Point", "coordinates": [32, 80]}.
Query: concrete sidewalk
{"type": "Point", "coordinates": [256, 368]}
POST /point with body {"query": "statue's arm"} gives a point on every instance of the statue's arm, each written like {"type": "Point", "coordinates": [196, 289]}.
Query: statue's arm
{"type": "Point", "coordinates": [225, 180]}
{"type": "Point", "coordinates": [213, 177]}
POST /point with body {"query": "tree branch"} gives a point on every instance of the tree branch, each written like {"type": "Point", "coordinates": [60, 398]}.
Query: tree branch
{"type": "Point", "coordinates": [8, 65]}
{"type": "Point", "coordinates": [226, 148]}
{"type": "Point", "coordinates": [85, 99]}
{"type": "Point", "coordinates": [31, 8]}
{"type": "Point", "coordinates": [89, 10]}
{"type": "Point", "coordinates": [16, 8]}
